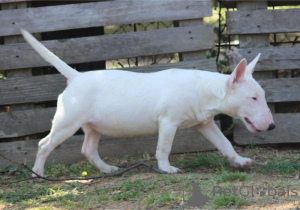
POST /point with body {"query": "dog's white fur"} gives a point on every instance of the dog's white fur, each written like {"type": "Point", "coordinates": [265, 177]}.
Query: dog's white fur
{"type": "Point", "coordinates": [122, 104]}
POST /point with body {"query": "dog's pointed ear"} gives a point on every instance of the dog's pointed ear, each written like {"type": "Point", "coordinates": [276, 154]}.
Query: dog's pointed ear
{"type": "Point", "coordinates": [238, 73]}
{"type": "Point", "coordinates": [250, 67]}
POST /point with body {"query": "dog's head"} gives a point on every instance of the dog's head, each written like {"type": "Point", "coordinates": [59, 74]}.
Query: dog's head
{"type": "Point", "coordinates": [246, 99]}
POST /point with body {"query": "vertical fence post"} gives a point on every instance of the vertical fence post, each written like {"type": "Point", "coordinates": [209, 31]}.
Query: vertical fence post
{"type": "Point", "coordinates": [18, 72]}
{"type": "Point", "coordinates": [256, 40]}
{"type": "Point", "coordinates": [188, 56]}
{"type": "Point", "coordinates": [17, 39]}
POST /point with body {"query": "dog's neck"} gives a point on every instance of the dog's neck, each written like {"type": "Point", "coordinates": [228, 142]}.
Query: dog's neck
{"type": "Point", "coordinates": [213, 94]}
{"type": "Point", "coordinates": [223, 104]}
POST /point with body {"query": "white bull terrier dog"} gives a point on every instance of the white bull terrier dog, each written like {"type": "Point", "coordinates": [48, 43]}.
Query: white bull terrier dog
{"type": "Point", "coordinates": [124, 104]}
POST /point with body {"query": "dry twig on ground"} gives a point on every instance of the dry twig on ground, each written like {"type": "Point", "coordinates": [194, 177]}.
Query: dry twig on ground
{"type": "Point", "coordinates": [136, 165]}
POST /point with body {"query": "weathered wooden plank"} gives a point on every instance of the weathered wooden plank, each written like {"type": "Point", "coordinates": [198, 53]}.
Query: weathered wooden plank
{"type": "Point", "coordinates": [12, 1]}
{"type": "Point", "coordinates": [33, 89]}
{"type": "Point", "coordinates": [281, 90]}
{"type": "Point", "coordinates": [272, 58]}
{"type": "Point", "coordinates": [25, 122]}
{"type": "Point", "coordinates": [200, 64]}
{"type": "Point", "coordinates": [286, 131]}
{"type": "Point", "coordinates": [188, 140]}
{"type": "Point", "coordinates": [274, 21]}
{"type": "Point", "coordinates": [48, 87]}
{"type": "Point", "coordinates": [233, 3]}
{"type": "Point", "coordinates": [288, 1]}
{"type": "Point", "coordinates": [87, 15]}
{"type": "Point", "coordinates": [97, 48]}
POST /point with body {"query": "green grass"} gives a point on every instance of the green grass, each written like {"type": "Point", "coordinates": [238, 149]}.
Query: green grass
{"type": "Point", "coordinates": [142, 188]}
{"type": "Point", "coordinates": [159, 199]}
{"type": "Point", "coordinates": [150, 200]}
{"type": "Point", "coordinates": [193, 161]}
{"type": "Point", "coordinates": [75, 170]}
{"type": "Point", "coordinates": [222, 201]}
{"type": "Point", "coordinates": [131, 190]}
{"type": "Point", "coordinates": [165, 197]}
{"type": "Point", "coordinates": [289, 167]}
{"type": "Point", "coordinates": [55, 170]}
{"type": "Point", "coordinates": [231, 177]}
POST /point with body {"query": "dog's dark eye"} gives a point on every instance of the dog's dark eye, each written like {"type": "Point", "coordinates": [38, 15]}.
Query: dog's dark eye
{"type": "Point", "coordinates": [254, 98]}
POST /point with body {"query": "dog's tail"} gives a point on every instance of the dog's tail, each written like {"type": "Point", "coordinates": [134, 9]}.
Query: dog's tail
{"type": "Point", "coordinates": [60, 65]}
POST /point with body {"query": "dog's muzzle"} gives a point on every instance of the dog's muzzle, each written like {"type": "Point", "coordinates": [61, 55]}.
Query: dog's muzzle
{"type": "Point", "coordinates": [251, 124]}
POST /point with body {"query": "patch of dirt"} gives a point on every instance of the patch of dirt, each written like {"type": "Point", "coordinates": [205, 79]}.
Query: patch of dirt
{"type": "Point", "coordinates": [281, 206]}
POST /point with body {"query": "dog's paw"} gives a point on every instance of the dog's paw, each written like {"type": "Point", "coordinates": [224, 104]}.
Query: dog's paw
{"type": "Point", "coordinates": [170, 169]}
{"type": "Point", "coordinates": [247, 163]}
{"type": "Point", "coordinates": [108, 169]}
{"type": "Point", "coordinates": [242, 162]}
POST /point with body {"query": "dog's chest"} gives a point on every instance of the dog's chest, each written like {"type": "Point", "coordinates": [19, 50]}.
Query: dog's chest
{"type": "Point", "coordinates": [188, 124]}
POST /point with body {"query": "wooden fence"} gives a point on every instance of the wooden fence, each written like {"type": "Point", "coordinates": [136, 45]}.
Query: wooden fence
{"type": "Point", "coordinates": [25, 95]}
{"type": "Point", "coordinates": [254, 22]}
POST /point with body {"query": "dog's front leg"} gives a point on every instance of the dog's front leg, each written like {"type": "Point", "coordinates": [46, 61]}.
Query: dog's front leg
{"type": "Point", "coordinates": [165, 140]}
{"type": "Point", "coordinates": [212, 133]}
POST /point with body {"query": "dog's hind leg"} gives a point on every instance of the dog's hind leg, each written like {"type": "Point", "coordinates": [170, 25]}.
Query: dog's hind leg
{"type": "Point", "coordinates": [212, 133]}
{"type": "Point", "coordinates": [165, 140]}
{"type": "Point", "coordinates": [62, 129]}
{"type": "Point", "coordinates": [90, 150]}
{"type": "Point", "coordinates": [64, 125]}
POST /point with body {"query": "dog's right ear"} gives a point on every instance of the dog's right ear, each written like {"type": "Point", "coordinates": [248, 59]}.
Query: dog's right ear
{"type": "Point", "coordinates": [238, 73]}
{"type": "Point", "coordinates": [252, 64]}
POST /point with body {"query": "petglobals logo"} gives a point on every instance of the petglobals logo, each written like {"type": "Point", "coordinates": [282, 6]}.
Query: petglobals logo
{"type": "Point", "coordinates": [198, 199]}
{"type": "Point", "coordinates": [251, 191]}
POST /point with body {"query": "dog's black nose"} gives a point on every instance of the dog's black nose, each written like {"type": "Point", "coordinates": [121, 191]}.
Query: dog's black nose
{"type": "Point", "coordinates": [271, 126]}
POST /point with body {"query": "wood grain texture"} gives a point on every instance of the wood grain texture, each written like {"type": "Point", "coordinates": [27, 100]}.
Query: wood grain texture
{"type": "Point", "coordinates": [46, 88]}
{"type": "Point", "coordinates": [286, 131]}
{"type": "Point", "coordinates": [195, 55]}
{"type": "Point", "coordinates": [188, 140]}
{"type": "Point", "coordinates": [98, 48]}
{"type": "Point", "coordinates": [272, 58]}
{"type": "Point", "coordinates": [274, 21]}
{"type": "Point", "coordinates": [200, 64]}
{"type": "Point", "coordinates": [12, 1]}
{"type": "Point", "coordinates": [25, 122]}
{"type": "Point", "coordinates": [32, 89]}
{"type": "Point", "coordinates": [95, 14]}
{"type": "Point", "coordinates": [281, 90]}
{"type": "Point", "coordinates": [233, 3]}
{"type": "Point", "coordinates": [287, 1]}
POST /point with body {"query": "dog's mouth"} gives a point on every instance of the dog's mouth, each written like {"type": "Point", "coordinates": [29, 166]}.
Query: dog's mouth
{"type": "Point", "coordinates": [251, 125]}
